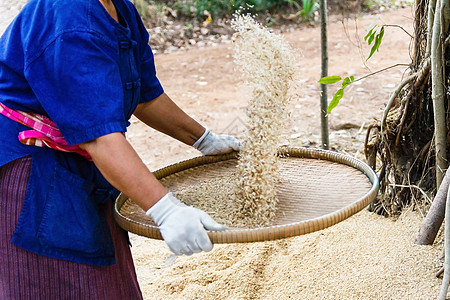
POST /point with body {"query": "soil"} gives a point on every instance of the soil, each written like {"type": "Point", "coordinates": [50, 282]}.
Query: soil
{"type": "Point", "coordinates": [364, 257]}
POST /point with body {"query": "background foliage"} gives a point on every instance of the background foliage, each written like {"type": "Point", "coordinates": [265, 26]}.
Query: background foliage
{"type": "Point", "coordinates": [225, 8]}
{"type": "Point", "coordinates": [222, 9]}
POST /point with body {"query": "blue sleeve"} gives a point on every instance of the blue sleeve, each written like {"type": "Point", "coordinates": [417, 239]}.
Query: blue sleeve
{"type": "Point", "coordinates": [77, 82]}
{"type": "Point", "coordinates": [151, 87]}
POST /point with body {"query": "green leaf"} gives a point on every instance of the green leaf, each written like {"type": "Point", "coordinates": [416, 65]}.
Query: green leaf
{"type": "Point", "coordinates": [335, 101]}
{"type": "Point", "coordinates": [368, 34]}
{"type": "Point", "coordinates": [306, 5]}
{"type": "Point", "coordinates": [380, 37]}
{"type": "Point", "coordinates": [372, 36]}
{"type": "Point", "coordinates": [377, 43]}
{"type": "Point", "coordinates": [371, 52]}
{"type": "Point", "coordinates": [374, 47]}
{"type": "Point", "coordinates": [347, 81]}
{"type": "Point", "coordinates": [329, 79]}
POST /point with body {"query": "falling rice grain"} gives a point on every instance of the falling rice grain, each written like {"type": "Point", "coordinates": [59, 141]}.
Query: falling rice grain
{"type": "Point", "coordinates": [268, 64]}
{"type": "Point", "coordinates": [248, 197]}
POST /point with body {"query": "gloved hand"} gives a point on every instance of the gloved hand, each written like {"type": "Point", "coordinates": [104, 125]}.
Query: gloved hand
{"type": "Point", "coordinates": [212, 144]}
{"type": "Point", "coordinates": [183, 227]}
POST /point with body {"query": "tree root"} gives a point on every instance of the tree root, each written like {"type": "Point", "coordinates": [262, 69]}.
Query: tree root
{"type": "Point", "coordinates": [419, 76]}
{"type": "Point", "coordinates": [441, 270]}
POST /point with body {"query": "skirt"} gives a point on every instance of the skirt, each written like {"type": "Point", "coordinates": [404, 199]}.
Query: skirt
{"type": "Point", "coordinates": [25, 275]}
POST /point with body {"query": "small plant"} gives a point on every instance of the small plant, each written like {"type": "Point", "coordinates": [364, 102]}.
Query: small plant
{"type": "Point", "coordinates": [307, 10]}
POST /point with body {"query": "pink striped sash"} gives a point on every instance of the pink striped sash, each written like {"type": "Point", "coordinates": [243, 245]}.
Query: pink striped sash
{"type": "Point", "coordinates": [44, 133]}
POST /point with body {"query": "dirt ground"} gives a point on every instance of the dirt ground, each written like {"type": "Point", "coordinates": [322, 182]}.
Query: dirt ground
{"type": "Point", "coordinates": [364, 257]}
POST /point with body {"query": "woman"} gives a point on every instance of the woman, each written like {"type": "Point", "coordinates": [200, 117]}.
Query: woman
{"type": "Point", "coordinates": [74, 72]}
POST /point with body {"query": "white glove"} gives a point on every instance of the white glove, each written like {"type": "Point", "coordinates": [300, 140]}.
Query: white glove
{"type": "Point", "coordinates": [183, 227]}
{"type": "Point", "coordinates": [212, 144]}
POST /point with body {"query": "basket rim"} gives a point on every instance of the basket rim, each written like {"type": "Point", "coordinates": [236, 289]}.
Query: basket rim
{"type": "Point", "coordinates": [272, 232]}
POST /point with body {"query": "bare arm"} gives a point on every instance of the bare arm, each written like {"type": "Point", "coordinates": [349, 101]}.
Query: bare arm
{"type": "Point", "coordinates": [182, 227]}
{"type": "Point", "coordinates": [121, 166]}
{"type": "Point", "coordinates": [165, 116]}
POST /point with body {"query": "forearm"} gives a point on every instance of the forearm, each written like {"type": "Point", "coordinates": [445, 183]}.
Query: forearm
{"type": "Point", "coordinates": [121, 166]}
{"type": "Point", "coordinates": [165, 116]}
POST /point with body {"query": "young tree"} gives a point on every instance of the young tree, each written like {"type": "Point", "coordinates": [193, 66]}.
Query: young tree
{"type": "Point", "coordinates": [323, 87]}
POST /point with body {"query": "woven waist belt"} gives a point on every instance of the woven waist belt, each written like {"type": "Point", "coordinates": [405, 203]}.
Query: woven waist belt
{"type": "Point", "coordinates": [44, 131]}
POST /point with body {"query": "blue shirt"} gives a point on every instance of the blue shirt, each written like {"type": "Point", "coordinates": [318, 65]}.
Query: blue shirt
{"type": "Point", "coordinates": [70, 60]}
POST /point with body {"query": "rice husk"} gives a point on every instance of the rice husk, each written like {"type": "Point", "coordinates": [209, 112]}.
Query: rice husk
{"type": "Point", "coordinates": [365, 257]}
{"type": "Point", "coordinates": [216, 197]}
{"type": "Point", "coordinates": [267, 62]}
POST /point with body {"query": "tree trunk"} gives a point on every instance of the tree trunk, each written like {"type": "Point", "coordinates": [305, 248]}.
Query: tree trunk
{"type": "Point", "coordinates": [431, 11]}
{"type": "Point", "coordinates": [323, 87]}
{"type": "Point", "coordinates": [437, 95]}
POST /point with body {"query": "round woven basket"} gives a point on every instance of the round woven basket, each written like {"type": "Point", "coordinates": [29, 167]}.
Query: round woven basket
{"type": "Point", "coordinates": [318, 189]}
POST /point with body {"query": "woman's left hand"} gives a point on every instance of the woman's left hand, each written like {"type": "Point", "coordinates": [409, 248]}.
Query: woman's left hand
{"type": "Point", "coordinates": [212, 144]}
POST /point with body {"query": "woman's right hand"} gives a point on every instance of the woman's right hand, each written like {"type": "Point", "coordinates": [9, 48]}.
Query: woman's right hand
{"type": "Point", "coordinates": [183, 227]}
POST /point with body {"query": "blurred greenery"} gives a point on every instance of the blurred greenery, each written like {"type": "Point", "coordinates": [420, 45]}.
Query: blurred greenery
{"type": "Point", "coordinates": [201, 10]}
{"type": "Point", "coordinates": [306, 10]}
{"type": "Point", "coordinates": [222, 8]}
{"type": "Point", "coordinates": [142, 7]}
